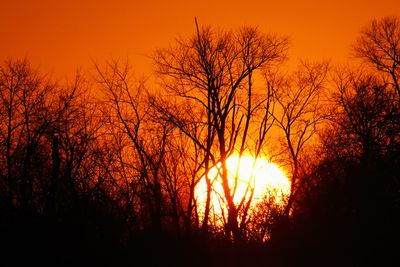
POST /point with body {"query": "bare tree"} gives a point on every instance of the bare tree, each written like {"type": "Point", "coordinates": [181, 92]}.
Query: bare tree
{"type": "Point", "coordinates": [144, 140]}
{"type": "Point", "coordinates": [366, 115]}
{"type": "Point", "coordinates": [214, 74]}
{"type": "Point", "coordinates": [85, 153]}
{"type": "Point", "coordinates": [25, 121]}
{"type": "Point", "coordinates": [298, 110]}
{"type": "Point", "coordinates": [361, 146]}
{"type": "Point", "coordinates": [379, 44]}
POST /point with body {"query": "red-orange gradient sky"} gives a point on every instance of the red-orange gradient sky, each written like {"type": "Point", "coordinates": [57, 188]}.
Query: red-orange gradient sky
{"type": "Point", "coordinates": [61, 35]}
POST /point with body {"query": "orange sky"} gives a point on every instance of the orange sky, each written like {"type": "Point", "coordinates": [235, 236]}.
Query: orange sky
{"type": "Point", "coordinates": [60, 35]}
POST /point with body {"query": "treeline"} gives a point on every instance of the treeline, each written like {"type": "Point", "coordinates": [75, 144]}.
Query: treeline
{"type": "Point", "coordinates": [102, 170]}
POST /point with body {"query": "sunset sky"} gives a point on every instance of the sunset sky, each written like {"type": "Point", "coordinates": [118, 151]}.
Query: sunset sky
{"type": "Point", "coordinates": [60, 36]}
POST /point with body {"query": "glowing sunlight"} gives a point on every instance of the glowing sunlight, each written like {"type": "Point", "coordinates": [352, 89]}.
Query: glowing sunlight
{"type": "Point", "coordinates": [263, 178]}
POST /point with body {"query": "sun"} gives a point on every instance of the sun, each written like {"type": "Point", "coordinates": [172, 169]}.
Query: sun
{"type": "Point", "coordinates": [248, 178]}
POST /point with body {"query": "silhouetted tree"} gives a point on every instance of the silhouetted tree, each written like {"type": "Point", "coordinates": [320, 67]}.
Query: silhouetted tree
{"type": "Point", "coordinates": [25, 123]}
{"type": "Point", "coordinates": [214, 73]}
{"type": "Point", "coordinates": [379, 45]}
{"type": "Point", "coordinates": [351, 200]}
{"type": "Point", "coordinates": [142, 145]}
{"type": "Point", "coordinates": [298, 110]}
{"type": "Point", "coordinates": [366, 115]}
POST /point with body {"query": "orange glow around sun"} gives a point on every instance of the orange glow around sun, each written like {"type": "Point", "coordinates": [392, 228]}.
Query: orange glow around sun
{"type": "Point", "coordinates": [248, 173]}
